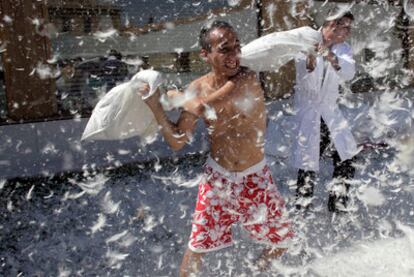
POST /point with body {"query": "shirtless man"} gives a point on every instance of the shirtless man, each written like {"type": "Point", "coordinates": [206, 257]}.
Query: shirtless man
{"type": "Point", "coordinates": [237, 186]}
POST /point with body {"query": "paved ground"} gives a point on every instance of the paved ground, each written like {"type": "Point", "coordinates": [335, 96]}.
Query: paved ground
{"type": "Point", "coordinates": [135, 221]}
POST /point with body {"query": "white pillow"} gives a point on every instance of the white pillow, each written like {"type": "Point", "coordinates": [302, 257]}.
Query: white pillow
{"type": "Point", "coordinates": [122, 113]}
{"type": "Point", "coordinates": [270, 52]}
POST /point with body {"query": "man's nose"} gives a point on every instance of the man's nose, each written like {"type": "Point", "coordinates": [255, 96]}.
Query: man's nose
{"type": "Point", "coordinates": [235, 53]}
{"type": "Point", "coordinates": [346, 33]}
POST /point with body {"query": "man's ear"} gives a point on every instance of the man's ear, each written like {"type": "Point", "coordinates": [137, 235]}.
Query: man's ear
{"type": "Point", "coordinates": [203, 54]}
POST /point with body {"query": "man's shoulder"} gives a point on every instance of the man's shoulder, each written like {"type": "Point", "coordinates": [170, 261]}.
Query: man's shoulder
{"type": "Point", "coordinates": [247, 73]}
{"type": "Point", "coordinates": [197, 83]}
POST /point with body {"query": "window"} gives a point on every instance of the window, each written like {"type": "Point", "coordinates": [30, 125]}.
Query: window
{"type": "Point", "coordinates": [66, 24]}
{"type": "Point", "coordinates": [116, 40]}
{"type": "Point", "coordinates": [87, 28]}
{"type": "Point", "coordinates": [74, 52]}
{"type": "Point", "coordinates": [183, 62]}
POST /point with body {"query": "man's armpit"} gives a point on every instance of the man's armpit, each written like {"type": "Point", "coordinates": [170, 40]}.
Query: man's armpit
{"type": "Point", "coordinates": [187, 122]}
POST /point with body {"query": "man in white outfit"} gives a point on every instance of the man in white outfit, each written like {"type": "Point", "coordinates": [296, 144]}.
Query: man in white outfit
{"type": "Point", "coordinates": [319, 121]}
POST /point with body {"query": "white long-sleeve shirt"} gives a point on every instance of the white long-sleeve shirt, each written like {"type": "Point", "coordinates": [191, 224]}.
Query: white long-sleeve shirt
{"type": "Point", "coordinates": [316, 95]}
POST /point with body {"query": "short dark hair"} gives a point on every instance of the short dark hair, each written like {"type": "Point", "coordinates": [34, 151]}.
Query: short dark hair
{"type": "Point", "coordinates": [204, 38]}
{"type": "Point", "coordinates": [347, 15]}
{"type": "Point", "coordinates": [336, 14]}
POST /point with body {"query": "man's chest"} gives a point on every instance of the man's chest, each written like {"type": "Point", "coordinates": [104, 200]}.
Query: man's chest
{"type": "Point", "coordinates": [234, 114]}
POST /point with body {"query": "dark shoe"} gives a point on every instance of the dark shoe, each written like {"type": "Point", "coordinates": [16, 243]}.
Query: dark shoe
{"type": "Point", "coordinates": [303, 198]}
{"type": "Point", "coordinates": [303, 202]}
{"type": "Point", "coordinates": [337, 203]}
{"type": "Point", "coordinates": [304, 189]}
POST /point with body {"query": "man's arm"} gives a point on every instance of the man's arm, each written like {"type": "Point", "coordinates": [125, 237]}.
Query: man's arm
{"type": "Point", "coordinates": [220, 93]}
{"type": "Point", "coordinates": [197, 104]}
{"type": "Point", "coordinates": [176, 134]}
{"type": "Point", "coordinates": [310, 63]}
{"type": "Point", "coordinates": [343, 62]}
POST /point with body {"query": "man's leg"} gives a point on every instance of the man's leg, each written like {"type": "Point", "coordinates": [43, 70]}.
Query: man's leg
{"type": "Point", "coordinates": [343, 171]}
{"type": "Point", "coordinates": [191, 263]}
{"type": "Point", "coordinates": [306, 179]}
{"type": "Point", "coordinates": [266, 257]}
{"type": "Point", "coordinates": [304, 189]}
{"type": "Point", "coordinates": [338, 195]}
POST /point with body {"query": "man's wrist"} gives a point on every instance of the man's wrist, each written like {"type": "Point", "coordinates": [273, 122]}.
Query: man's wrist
{"type": "Point", "coordinates": [310, 63]}
{"type": "Point", "coordinates": [333, 59]}
{"type": "Point", "coordinates": [336, 65]}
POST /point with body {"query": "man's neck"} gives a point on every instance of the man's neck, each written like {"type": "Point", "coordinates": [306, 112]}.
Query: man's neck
{"type": "Point", "coordinates": [325, 42]}
{"type": "Point", "coordinates": [218, 80]}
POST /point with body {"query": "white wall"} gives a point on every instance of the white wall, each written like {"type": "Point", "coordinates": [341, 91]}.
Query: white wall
{"type": "Point", "coordinates": [50, 147]}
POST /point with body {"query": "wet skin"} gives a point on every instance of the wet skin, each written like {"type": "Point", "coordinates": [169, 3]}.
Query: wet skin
{"type": "Point", "coordinates": [237, 135]}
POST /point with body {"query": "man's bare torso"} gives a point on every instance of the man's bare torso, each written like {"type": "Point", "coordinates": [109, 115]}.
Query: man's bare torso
{"type": "Point", "coordinates": [237, 135]}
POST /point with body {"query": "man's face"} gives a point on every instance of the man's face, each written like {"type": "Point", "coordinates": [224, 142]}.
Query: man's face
{"type": "Point", "coordinates": [337, 31]}
{"type": "Point", "coordinates": [224, 56]}
{"type": "Point", "coordinates": [342, 29]}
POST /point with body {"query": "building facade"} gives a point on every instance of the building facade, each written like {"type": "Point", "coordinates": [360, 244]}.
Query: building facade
{"type": "Point", "coordinates": [54, 54]}
{"type": "Point", "coordinates": [58, 57]}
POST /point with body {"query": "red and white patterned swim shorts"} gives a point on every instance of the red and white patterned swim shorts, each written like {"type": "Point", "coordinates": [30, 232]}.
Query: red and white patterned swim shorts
{"type": "Point", "coordinates": [249, 198]}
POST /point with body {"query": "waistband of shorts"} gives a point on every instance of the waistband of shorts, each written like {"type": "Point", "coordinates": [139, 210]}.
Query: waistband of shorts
{"type": "Point", "coordinates": [235, 174]}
